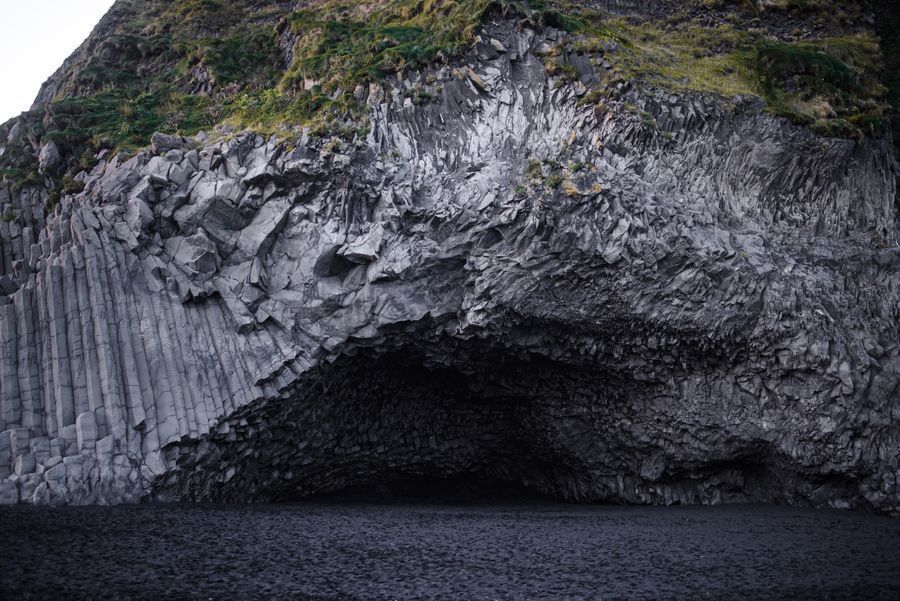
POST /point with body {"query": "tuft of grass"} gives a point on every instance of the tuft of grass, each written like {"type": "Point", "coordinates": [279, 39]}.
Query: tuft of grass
{"type": "Point", "coordinates": [72, 186]}
{"type": "Point", "coordinates": [249, 58]}
{"type": "Point", "coordinates": [147, 73]}
{"type": "Point", "coordinates": [836, 78]}
{"type": "Point", "coordinates": [341, 44]}
{"type": "Point", "coordinates": [832, 83]}
{"type": "Point", "coordinates": [554, 181]}
{"type": "Point", "coordinates": [570, 189]}
{"type": "Point", "coordinates": [687, 58]}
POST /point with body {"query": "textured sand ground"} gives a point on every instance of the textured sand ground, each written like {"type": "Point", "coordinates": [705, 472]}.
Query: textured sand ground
{"type": "Point", "coordinates": [526, 551]}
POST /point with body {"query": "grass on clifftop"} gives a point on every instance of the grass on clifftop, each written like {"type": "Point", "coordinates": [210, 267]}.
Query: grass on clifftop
{"type": "Point", "coordinates": [346, 43]}
{"type": "Point", "coordinates": [339, 44]}
{"type": "Point", "coordinates": [831, 84]}
{"type": "Point", "coordinates": [185, 65]}
{"type": "Point", "coordinates": [704, 59]}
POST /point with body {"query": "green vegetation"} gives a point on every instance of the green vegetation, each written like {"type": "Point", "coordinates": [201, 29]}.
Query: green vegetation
{"type": "Point", "coordinates": [71, 186]}
{"type": "Point", "coordinates": [687, 57]}
{"type": "Point", "coordinates": [338, 45]}
{"type": "Point", "coordinates": [554, 181]}
{"type": "Point", "coordinates": [341, 43]}
{"type": "Point", "coordinates": [831, 84]}
{"type": "Point", "coordinates": [558, 177]}
{"type": "Point", "coordinates": [648, 120]}
{"type": "Point", "coordinates": [249, 58]}
{"type": "Point", "coordinates": [185, 65]}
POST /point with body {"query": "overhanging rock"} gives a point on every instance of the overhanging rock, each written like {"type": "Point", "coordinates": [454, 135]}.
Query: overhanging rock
{"type": "Point", "coordinates": [685, 317]}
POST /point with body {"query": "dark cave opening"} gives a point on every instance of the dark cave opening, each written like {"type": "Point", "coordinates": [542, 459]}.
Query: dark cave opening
{"type": "Point", "coordinates": [407, 423]}
{"type": "Point", "coordinates": [467, 421]}
{"type": "Point", "coordinates": [471, 488]}
{"type": "Point", "coordinates": [409, 426]}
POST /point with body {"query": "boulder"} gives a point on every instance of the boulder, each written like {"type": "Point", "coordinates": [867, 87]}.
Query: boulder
{"type": "Point", "coordinates": [9, 492]}
{"type": "Point", "coordinates": [196, 255]}
{"type": "Point", "coordinates": [49, 158]}
{"type": "Point", "coordinates": [163, 143]}
{"type": "Point", "coordinates": [363, 249]}
{"type": "Point", "coordinates": [25, 464]}
{"type": "Point", "coordinates": [138, 216]}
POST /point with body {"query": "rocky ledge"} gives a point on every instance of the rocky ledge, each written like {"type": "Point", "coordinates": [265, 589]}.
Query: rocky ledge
{"type": "Point", "coordinates": [664, 299]}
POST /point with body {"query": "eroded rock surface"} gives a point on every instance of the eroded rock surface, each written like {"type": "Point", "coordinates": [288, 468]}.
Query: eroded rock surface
{"type": "Point", "coordinates": [697, 307]}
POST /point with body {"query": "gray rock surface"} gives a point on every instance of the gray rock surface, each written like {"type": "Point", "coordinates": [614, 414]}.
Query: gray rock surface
{"type": "Point", "coordinates": [49, 157]}
{"type": "Point", "coordinates": [503, 281]}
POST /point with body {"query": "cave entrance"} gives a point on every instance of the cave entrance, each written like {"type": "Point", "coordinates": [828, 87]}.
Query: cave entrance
{"type": "Point", "coordinates": [472, 488]}
{"type": "Point", "coordinates": [457, 420]}
{"type": "Point", "coordinates": [405, 424]}
{"type": "Point", "coordinates": [408, 426]}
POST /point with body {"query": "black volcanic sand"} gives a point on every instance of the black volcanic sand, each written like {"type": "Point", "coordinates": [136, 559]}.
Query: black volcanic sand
{"type": "Point", "coordinates": [329, 550]}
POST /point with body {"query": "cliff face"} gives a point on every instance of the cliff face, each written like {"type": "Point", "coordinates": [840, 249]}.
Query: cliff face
{"type": "Point", "coordinates": [662, 298]}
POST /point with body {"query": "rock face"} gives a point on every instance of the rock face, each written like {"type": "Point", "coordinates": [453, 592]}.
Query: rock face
{"type": "Point", "coordinates": [697, 307]}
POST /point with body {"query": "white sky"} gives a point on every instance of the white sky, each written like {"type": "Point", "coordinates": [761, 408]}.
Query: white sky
{"type": "Point", "coordinates": [36, 36]}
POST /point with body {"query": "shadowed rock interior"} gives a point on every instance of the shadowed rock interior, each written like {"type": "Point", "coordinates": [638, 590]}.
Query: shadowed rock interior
{"type": "Point", "coordinates": [438, 417]}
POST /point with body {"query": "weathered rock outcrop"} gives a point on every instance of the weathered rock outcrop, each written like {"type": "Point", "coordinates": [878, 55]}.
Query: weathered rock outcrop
{"type": "Point", "coordinates": [698, 306]}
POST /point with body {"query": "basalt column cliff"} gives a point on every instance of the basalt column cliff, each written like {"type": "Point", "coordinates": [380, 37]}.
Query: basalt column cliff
{"type": "Point", "coordinates": [612, 251]}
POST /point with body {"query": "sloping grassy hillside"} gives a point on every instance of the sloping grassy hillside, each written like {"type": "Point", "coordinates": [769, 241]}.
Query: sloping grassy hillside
{"type": "Point", "coordinates": [185, 65]}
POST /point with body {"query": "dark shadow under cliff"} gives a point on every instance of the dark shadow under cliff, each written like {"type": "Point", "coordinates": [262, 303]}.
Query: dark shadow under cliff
{"type": "Point", "coordinates": [449, 419]}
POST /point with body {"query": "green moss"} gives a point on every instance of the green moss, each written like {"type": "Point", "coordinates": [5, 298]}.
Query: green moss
{"type": "Point", "coordinates": [342, 43]}
{"type": "Point", "coordinates": [554, 181]}
{"type": "Point", "coordinates": [249, 58]}
{"type": "Point", "coordinates": [809, 69]}
{"type": "Point", "coordinates": [834, 78]}
{"type": "Point", "coordinates": [267, 110]}
{"type": "Point", "coordinates": [21, 178]}
{"type": "Point", "coordinates": [144, 79]}
{"type": "Point", "coordinates": [72, 186]}
{"type": "Point", "coordinates": [52, 201]}
{"type": "Point", "coordinates": [828, 80]}
{"type": "Point", "coordinates": [834, 128]}
{"type": "Point", "coordinates": [687, 57]}
{"type": "Point", "coordinates": [204, 14]}
{"type": "Point", "coordinates": [556, 68]}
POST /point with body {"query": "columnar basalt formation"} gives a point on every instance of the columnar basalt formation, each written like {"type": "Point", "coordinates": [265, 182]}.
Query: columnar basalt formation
{"type": "Point", "coordinates": [703, 307]}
